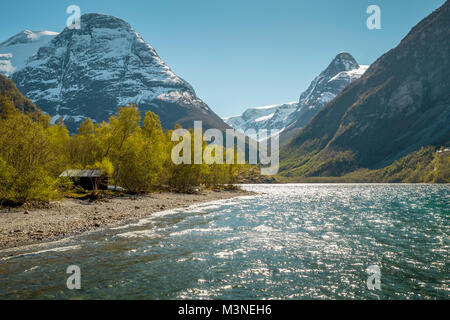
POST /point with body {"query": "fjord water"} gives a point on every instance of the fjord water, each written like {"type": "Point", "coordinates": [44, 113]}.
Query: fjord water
{"type": "Point", "coordinates": [296, 241]}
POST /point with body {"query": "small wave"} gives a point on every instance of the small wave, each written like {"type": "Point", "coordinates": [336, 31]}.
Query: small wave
{"type": "Point", "coordinates": [31, 269]}
{"type": "Point", "coordinates": [58, 249]}
{"type": "Point", "coordinates": [205, 208]}
{"type": "Point", "coordinates": [138, 234]}
{"type": "Point", "coordinates": [224, 254]}
{"type": "Point", "coordinates": [263, 228]}
{"type": "Point", "coordinates": [198, 230]}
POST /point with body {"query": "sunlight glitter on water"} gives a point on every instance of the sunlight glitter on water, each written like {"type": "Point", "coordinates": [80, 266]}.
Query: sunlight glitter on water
{"type": "Point", "coordinates": [289, 242]}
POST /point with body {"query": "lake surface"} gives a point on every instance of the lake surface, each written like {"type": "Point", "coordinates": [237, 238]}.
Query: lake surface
{"type": "Point", "coordinates": [296, 241]}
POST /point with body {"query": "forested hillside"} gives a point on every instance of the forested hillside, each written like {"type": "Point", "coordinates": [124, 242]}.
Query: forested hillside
{"type": "Point", "coordinates": [133, 153]}
{"type": "Point", "coordinates": [398, 106]}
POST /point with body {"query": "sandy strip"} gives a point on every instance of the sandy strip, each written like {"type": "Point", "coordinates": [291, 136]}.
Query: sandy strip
{"type": "Point", "coordinates": [70, 217]}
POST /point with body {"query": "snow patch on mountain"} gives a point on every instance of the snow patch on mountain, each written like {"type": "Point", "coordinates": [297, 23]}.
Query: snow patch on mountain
{"type": "Point", "coordinates": [272, 117]}
{"type": "Point", "coordinates": [91, 71]}
{"type": "Point", "coordinates": [15, 52]}
{"type": "Point", "coordinates": [342, 71]}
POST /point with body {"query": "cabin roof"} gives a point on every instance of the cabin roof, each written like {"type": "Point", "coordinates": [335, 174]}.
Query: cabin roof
{"type": "Point", "coordinates": [82, 173]}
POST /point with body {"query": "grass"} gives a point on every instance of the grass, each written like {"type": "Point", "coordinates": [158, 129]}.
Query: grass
{"type": "Point", "coordinates": [426, 165]}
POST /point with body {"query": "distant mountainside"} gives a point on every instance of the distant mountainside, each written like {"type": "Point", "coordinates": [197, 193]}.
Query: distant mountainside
{"type": "Point", "coordinates": [399, 105]}
{"type": "Point", "coordinates": [90, 72]}
{"type": "Point", "coordinates": [427, 165]}
{"type": "Point", "coordinates": [9, 92]}
{"type": "Point", "coordinates": [15, 52]}
{"type": "Point", "coordinates": [268, 117]}
{"type": "Point", "coordinates": [289, 118]}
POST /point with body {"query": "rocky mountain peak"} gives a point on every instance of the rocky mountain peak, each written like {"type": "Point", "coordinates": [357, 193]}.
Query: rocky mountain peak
{"type": "Point", "coordinates": [93, 21]}
{"type": "Point", "coordinates": [291, 117]}
{"type": "Point", "coordinates": [103, 21]}
{"type": "Point", "coordinates": [89, 72]}
{"type": "Point", "coordinates": [344, 61]}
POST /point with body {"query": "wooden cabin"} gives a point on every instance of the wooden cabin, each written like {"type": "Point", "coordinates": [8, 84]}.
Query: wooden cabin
{"type": "Point", "coordinates": [87, 179]}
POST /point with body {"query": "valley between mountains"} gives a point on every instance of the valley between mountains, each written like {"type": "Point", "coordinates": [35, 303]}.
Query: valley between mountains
{"type": "Point", "coordinates": [387, 122]}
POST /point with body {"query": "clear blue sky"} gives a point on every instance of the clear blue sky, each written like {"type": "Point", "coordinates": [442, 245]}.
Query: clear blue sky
{"type": "Point", "coordinates": [241, 53]}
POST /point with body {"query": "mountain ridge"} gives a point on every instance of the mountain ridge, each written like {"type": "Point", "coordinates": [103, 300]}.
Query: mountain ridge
{"type": "Point", "coordinates": [341, 71]}
{"type": "Point", "coordinates": [88, 73]}
{"type": "Point", "coordinates": [289, 118]}
{"type": "Point", "coordinates": [399, 105]}
{"type": "Point", "coordinates": [272, 117]}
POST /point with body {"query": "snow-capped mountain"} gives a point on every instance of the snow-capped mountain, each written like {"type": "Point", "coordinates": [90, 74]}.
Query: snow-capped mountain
{"type": "Point", "coordinates": [398, 106]}
{"type": "Point", "coordinates": [291, 117]}
{"type": "Point", "coordinates": [91, 71]}
{"type": "Point", "coordinates": [15, 51]}
{"type": "Point", "coordinates": [272, 117]}
{"type": "Point", "coordinates": [342, 71]}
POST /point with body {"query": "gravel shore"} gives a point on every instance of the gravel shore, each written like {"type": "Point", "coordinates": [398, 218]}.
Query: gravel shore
{"type": "Point", "coordinates": [69, 217]}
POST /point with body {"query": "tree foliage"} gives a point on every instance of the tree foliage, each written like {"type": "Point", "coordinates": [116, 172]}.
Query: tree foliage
{"type": "Point", "coordinates": [134, 154]}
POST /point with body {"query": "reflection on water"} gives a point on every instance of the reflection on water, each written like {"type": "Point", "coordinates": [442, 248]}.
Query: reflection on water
{"type": "Point", "coordinates": [292, 242]}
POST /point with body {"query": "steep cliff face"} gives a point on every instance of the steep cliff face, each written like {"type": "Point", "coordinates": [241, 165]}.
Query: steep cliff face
{"type": "Point", "coordinates": [90, 72]}
{"type": "Point", "coordinates": [401, 103]}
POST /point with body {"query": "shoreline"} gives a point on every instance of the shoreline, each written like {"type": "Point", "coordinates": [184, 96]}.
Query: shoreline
{"type": "Point", "coordinates": [71, 217]}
